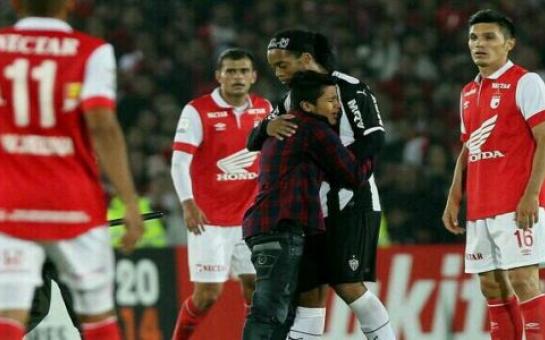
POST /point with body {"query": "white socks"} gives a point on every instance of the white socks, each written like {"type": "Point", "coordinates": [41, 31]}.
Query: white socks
{"type": "Point", "coordinates": [308, 325]}
{"type": "Point", "coordinates": [373, 317]}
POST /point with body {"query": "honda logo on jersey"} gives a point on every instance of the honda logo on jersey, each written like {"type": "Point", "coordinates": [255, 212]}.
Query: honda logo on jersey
{"type": "Point", "coordinates": [234, 166]}
{"type": "Point", "coordinates": [478, 138]}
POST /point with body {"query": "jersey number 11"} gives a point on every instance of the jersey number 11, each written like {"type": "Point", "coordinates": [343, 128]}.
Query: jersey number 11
{"type": "Point", "coordinates": [44, 74]}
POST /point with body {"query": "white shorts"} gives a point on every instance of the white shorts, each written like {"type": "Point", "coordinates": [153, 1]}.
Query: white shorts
{"type": "Point", "coordinates": [85, 264]}
{"type": "Point", "coordinates": [497, 243]}
{"type": "Point", "coordinates": [217, 252]}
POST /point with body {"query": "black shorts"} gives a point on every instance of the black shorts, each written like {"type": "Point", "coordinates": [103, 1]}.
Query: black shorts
{"type": "Point", "coordinates": [345, 253]}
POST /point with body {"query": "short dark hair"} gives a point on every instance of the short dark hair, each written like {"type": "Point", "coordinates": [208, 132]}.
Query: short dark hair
{"type": "Point", "coordinates": [308, 86]}
{"type": "Point", "coordinates": [235, 54]}
{"type": "Point", "coordinates": [43, 7]}
{"type": "Point", "coordinates": [297, 41]}
{"type": "Point", "coordinates": [494, 17]}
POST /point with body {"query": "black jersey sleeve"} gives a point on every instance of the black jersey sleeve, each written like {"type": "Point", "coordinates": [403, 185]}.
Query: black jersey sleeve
{"type": "Point", "coordinates": [258, 135]}
{"type": "Point", "coordinates": [370, 138]}
{"type": "Point", "coordinates": [369, 146]}
{"type": "Point", "coordinates": [361, 108]}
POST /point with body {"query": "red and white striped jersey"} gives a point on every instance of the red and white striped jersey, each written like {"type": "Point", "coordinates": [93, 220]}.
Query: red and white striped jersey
{"type": "Point", "coordinates": [497, 115]}
{"type": "Point", "coordinates": [49, 76]}
{"type": "Point", "coordinates": [223, 171]}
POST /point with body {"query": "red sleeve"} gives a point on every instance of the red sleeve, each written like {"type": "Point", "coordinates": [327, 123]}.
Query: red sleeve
{"type": "Point", "coordinates": [185, 147]}
{"type": "Point", "coordinates": [98, 102]}
{"type": "Point", "coordinates": [536, 119]}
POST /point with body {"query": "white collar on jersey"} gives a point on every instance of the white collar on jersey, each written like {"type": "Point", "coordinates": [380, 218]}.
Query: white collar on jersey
{"type": "Point", "coordinates": [498, 72]}
{"type": "Point", "coordinates": [218, 99]}
{"type": "Point", "coordinates": [42, 24]}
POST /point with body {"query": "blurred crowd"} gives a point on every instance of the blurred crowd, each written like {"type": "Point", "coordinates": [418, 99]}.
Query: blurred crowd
{"type": "Point", "coordinates": [413, 54]}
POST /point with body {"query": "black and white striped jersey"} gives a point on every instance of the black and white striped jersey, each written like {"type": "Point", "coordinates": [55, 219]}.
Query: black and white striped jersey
{"type": "Point", "coordinates": [359, 123]}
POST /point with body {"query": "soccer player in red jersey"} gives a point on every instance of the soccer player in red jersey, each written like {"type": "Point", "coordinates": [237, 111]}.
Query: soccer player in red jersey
{"type": "Point", "coordinates": [503, 157]}
{"type": "Point", "coordinates": [57, 115]}
{"type": "Point", "coordinates": [215, 177]}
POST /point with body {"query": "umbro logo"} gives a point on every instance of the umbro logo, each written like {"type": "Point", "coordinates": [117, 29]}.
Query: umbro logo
{"type": "Point", "coordinates": [220, 126]}
{"type": "Point", "coordinates": [478, 138]}
{"type": "Point", "coordinates": [532, 326]}
{"type": "Point", "coordinates": [234, 166]}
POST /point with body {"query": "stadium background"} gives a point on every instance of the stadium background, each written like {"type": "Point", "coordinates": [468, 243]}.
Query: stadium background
{"type": "Point", "coordinates": [414, 56]}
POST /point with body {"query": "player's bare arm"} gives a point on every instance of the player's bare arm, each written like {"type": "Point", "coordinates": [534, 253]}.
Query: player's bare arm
{"type": "Point", "coordinates": [110, 148]}
{"type": "Point", "coordinates": [527, 209]}
{"type": "Point", "coordinates": [194, 217]}
{"type": "Point", "coordinates": [455, 195]}
{"type": "Point", "coordinates": [281, 127]}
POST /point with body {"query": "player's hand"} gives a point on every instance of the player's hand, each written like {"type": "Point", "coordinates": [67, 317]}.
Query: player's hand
{"type": "Point", "coordinates": [134, 228]}
{"type": "Point", "coordinates": [281, 127]}
{"type": "Point", "coordinates": [194, 218]}
{"type": "Point", "coordinates": [527, 211]}
{"type": "Point", "coordinates": [450, 217]}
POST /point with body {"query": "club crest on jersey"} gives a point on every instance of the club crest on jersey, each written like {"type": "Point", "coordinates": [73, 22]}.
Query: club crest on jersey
{"type": "Point", "coordinates": [354, 263]}
{"type": "Point", "coordinates": [495, 102]}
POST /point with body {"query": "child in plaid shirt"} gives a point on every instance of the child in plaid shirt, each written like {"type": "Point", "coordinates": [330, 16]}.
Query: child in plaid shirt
{"type": "Point", "coordinates": [287, 206]}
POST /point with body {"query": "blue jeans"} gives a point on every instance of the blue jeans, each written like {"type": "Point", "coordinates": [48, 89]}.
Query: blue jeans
{"type": "Point", "coordinates": [276, 257]}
